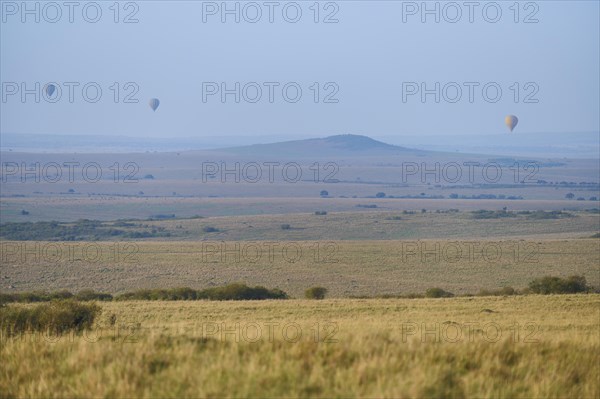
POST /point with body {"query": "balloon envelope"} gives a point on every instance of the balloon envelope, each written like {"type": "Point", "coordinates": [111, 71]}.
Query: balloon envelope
{"type": "Point", "coordinates": [511, 121]}
{"type": "Point", "coordinates": [50, 88]}
{"type": "Point", "coordinates": [154, 103]}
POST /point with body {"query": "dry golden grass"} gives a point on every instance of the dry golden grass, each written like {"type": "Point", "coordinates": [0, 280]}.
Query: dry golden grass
{"type": "Point", "coordinates": [365, 348]}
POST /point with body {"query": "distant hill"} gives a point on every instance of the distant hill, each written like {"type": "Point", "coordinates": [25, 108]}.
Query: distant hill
{"type": "Point", "coordinates": [582, 145]}
{"type": "Point", "coordinates": [339, 145]}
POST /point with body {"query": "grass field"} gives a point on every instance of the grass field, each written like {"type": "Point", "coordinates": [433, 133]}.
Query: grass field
{"type": "Point", "coordinates": [518, 347]}
{"type": "Point", "coordinates": [346, 268]}
{"type": "Point", "coordinates": [382, 225]}
{"type": "Point", "coordinates": [180, 232]}
{"type": "Point", "coordinates": [107, 207]}
{"type": "Point", "coordinates": [372, 224]}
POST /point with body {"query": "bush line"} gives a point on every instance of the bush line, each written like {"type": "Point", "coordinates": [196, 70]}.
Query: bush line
{"type": "Point", "coordinates": [231, 292]}
{"type": "Point", "coordinates": [237, 292]}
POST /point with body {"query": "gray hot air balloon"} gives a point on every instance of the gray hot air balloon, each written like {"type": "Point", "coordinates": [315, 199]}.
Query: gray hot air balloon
{"type": "Point", "coordinates": [154, 103]}
{"type": "Point", "coordinates": [50, 88]}
{"type": "Point", "coordinates": [511, 121]}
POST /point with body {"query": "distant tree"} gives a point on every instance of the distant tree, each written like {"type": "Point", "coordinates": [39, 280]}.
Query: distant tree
{"type": "Point", "coordinates": [380, 195]}
{"type": "Point", "coordinates": [570, 196]}
{"type": "Point", "coordinates": [71, 191]}
{"type": "Point", "coordinates": [556, 285]}
{"type": "Point", "coordinates": [315, 293]}
{"type": "Point", "coordinates": [148, 177]}
{"type": "Point", "coordinates": [580, 199]}
{"type": "Point", "coordinates": [24, 212]}
{"type": "Point", "coordinates": [285, 226]}
{"type": "Point", "coordinates": [423, 210]}
{"type": "Point", "coordinates": [593, 198]}
{"type": "Point", "coordinates": [90, 295]}
{"type": "Point", "coordinates": [437, 293]}
{"type": "Point", "coordinates": [453, 195]}
{"type": "Point", "coordinates": [324, 193]}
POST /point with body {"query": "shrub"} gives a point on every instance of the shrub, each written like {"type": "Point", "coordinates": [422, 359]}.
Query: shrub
{"type": "Point", "coordinates": [285, 227]}
{"type": "Point", "coordinates": [5, 299]}
{"type": "Point", "coordinates": [315, 293]}
{"type": "Point", "coordinates": [63, 294]}
{"type": "Point", "coordinates": [182, 294]}
{"type": "Point", "coordinates": [556, 285]}
{"type": "Point", "coordinates": [135, 295]}
{"type": "Point", "coordinates": [90, 295]}
{"type": "Point", "coordinates": [548, 215]}
{"type": "Point", "coordinates": [231, 292]}
{"type": "Point", "coordinates": [173, 294]}
{"type": "Point", "coordinates": [437, 293]}
{"type": "Point", "coordinates": [34, 296]}
{"type": "Point", "coordinates": [485, 214]}
{"type": "Point", "coordinates": [504, 291]}
{"type": "Point", "coordinates": [380, 195]}
{"type": "Point", "coordinates": [210, 229]}
{"type": "Point", "coordinates": [40, 296]}
{"type": "Point", "coordinates": [320, 213]}
{"type": "Point", "coordinates": [26, 297]}
{"type": "Point", "coordinates": [161, 215]}
{"type": "Point", "coordinates": [237, 291]}
{"type": "Point", "coordinates": [56, 317]}
{"type": "Point", "coordinates": [80, 230]}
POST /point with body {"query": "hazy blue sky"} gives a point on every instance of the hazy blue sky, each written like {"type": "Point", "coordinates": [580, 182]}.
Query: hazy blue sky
{"type": "Point", "coordinates": [369, 53]}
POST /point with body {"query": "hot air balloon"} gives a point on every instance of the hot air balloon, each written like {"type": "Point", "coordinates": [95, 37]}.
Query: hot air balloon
{"type": "Point", "coordinates": [154, 103]}
{"type": "Point", "coordinates": [50, 88]}
{"type": "Point", "coordinates": [511, 121]}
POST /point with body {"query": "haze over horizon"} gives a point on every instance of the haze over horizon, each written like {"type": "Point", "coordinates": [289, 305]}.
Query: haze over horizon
{"type": "Point", "coordinates": [570, 145]}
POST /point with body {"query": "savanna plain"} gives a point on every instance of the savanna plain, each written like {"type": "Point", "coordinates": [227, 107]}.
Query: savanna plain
{"type": "Point", "coordinates": [426, 290]}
